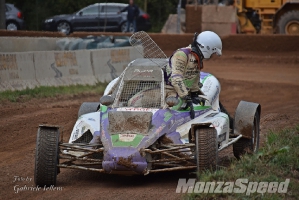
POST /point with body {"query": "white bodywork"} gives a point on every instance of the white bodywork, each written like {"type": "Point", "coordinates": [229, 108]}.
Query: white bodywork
{"type": "Point", "coordinates": [88, 121]}
{"type": "Point", "coordinates": [220, 121]}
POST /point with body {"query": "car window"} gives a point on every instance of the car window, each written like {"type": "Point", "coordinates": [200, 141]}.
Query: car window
{"type": "Point", "coordinates": [111, 9]}
{"type": "Point", "coordinates": [7, 8]}
{"type": "Point", "coordinates": [93, 10]}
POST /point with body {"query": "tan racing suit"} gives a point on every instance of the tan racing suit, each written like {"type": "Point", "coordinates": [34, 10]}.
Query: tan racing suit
{"type": "Point", "coordinates": [181, 77]}
{"type": "Point", "coordinates": [182, 73]}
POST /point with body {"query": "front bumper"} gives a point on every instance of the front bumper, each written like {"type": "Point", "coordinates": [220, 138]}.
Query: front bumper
{"type": "Point", "coordinates": [124, 161]}
{"type": "Point", "coordinates": [50, 26]}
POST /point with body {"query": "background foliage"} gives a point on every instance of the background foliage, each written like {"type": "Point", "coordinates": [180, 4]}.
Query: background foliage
{"type": "Point", "coordinates": [36, 11]}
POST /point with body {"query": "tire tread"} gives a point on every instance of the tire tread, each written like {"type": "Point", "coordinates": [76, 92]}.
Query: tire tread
{"type": "Point", "coordinates": [206, 149]}
{"type": "Point", "coordinates": [46, 158]}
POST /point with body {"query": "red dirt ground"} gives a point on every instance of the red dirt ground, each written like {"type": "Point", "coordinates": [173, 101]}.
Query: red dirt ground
{"type": "Point", "coordinates": [271, 79]}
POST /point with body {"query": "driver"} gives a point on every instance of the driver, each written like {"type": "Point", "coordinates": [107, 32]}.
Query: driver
{"type": "Point", "coordinates": [183, 69]}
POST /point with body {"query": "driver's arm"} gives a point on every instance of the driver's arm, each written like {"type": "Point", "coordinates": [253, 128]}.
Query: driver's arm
{"type": "Point", "coordinates": [179, 62]}
{"type": "Point", "coordinates": [123, 10]}
{"type": "Point", "coordinates": [195, 85]}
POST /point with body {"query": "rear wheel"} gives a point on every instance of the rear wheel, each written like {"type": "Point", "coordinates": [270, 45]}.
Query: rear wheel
{"type": "Point", "coordinates": [245, 145]}
{"type": "Point", "coordinates": [64, 27]}
{"type": "Point", "coordinates": [289, 23]}
{"type": "Point", "coordinates": [207, 148]}
{"type": "Point", "coordinates": [46, 157]}
{"type": "Point", "coordinates": [12, 26]}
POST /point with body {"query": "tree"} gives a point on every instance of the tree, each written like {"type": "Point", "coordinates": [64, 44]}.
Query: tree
{"type": "Point", "coordinates": [2, 15]}
{"type": "Point", "coordinates": [36, 11]}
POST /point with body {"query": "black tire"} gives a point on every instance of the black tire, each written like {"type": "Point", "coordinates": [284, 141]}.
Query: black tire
{"type": "Point", "coordinates": [206, 148]}
{"type": "Point", "coordinates": [64, 27]}
{"type": "Point", "coordinates": [47, 156]}
{"type": "Point", "coordinates": [12, 26]}
{"type": "Point", "coordinates": [245, 145]}
{"type": "Point", "coordinates": [88, 107]}
{"type": "Point", "coordinates": [289, 23]}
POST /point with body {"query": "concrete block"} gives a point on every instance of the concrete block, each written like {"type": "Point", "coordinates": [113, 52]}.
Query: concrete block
{"type": "Point", "coordinates": [64, 68]}
{"type": "Point", "coordinates": [110, 63]}
{"type": "Point", "coordinates": [25, 44]}
{"type": "Point", "coordinates": [218, 14]}
{"type": "Point", "coordinates": [17, 71]}
{"type": "Point", "coordinates": [170, 25]}
{"type": "Point", "coordinates": [198, 19]}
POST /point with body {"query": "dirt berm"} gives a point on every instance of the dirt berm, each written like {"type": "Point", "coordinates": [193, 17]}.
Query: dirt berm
{"type": "Point", "coordinates": [170, 42]}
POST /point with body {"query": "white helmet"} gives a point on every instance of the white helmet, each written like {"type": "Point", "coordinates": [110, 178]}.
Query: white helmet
{"type": "Point", "coordinates": [208, 43]}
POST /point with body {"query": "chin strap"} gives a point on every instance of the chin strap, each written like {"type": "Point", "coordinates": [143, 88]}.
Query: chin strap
{"type": "Point", "coordinates": [196, 51]}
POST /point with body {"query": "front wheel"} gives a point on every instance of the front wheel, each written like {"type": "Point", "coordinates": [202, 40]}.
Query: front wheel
{"type": "Point", "coordinates": [206, 148]}
{"type": "Point", "coordinates": [46, 157]}
{"type": "Point", "coordinates": [245, 145]}
{"type": "Point", "coordinates": [64, 27]}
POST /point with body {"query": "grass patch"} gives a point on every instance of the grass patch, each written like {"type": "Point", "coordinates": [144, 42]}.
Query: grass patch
{"type": "Point", "coordinates": [275, 162]}
{"type": "Point", "coordinates": [51, 91]}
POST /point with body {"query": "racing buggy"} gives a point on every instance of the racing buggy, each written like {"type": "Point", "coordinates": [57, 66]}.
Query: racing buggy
{"type": "Point", "coordinates": [136, 129]}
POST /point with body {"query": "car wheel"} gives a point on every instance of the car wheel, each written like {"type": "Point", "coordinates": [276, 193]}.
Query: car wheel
{"type": "Point", "coordinates": [64, 27]}
{"type": "Point", "coordinates": [12, 26]}
{"type": "Point", "coordinates": [124, 28]}
{"type": "Point", "coordinates": [47, 156]}
{"type": "Point", "coordinates": [206, 149]}
{"type": "Point", "coordinates": [245, 145]}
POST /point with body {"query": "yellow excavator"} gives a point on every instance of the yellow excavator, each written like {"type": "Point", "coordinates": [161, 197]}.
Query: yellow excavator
{"type": "Point", "coordinates": [268, 16]}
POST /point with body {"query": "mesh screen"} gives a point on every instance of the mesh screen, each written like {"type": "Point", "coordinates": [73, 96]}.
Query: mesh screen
{"type": "Point", "coordinates": [144, 44]}
{"type": "Point", "coordinates": [146, 94]}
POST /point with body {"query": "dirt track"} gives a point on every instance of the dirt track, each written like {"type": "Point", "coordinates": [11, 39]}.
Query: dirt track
{"type": "Point", "coordinates": [272, 79]}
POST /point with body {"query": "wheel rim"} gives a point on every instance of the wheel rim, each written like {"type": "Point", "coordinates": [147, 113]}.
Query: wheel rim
{"type": "Point", "coordinates": [292, 28]}
{"type": "Point", "coordinates": [64, 27]}
{"type": "Point", "coordinates": [12, 27]}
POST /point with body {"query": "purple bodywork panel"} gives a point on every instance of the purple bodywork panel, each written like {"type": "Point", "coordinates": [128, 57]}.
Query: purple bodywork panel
{"type": "Point", "coordinates": [204, 75]}
{"type": "Point", "coordinates": [164, 122]}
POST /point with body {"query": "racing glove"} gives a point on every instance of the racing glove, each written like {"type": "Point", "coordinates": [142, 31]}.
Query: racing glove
{"type": "Point", "coordinates": [196, 99]}
{"type": "Point", "coordinates": [189, 104]}
{"type": "Point", "coordinates": [187, 98]}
